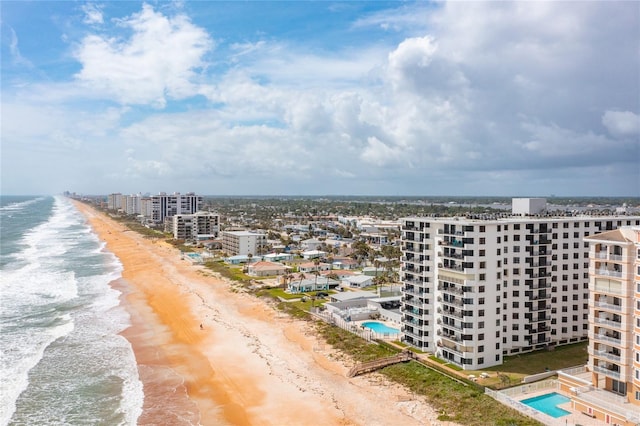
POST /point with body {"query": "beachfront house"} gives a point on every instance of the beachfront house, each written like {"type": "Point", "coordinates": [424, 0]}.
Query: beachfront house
{"type": "Point", "coordinates": [311, 284]}
{"type": "Point", "coordinates": [357, 281]}
{"type": "Point", "coordinates": [313, 254]}
{"type": "Point", "coordinates": [265, 269]}
{"type": "Point", "coordinates": [308, 267]}
{"type": "Point", "coordinates": [278, 257]}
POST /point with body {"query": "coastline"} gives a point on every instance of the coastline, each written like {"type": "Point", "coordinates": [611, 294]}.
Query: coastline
{"type": "Point", "coordinates": [249, 365]}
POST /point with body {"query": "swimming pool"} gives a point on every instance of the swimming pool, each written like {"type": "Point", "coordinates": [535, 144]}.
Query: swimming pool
{"type": "Point", "coordinates": [379, 327]}
{"type": "Point", "coordinates": [548, 404]}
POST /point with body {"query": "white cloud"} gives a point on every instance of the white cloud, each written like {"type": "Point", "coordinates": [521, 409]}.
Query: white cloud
{"type": "Point", "coordinates": [157, 62]}
{"type": "Point", "coordinates": [16, 56]}
{"type": "Point", "coordinates": [92, 14]}
{"type": "Point", "coordinates": [622, 123]}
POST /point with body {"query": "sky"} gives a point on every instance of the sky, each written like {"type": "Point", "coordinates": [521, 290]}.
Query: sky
{"type": "Point", "coordinates": [321, 98]}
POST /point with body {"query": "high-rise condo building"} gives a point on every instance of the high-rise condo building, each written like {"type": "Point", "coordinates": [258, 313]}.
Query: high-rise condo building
{"type": "Point", "coordinates": [478, 288]}
{"type": "Point", "coordinates": [164, 205]}
{"type": "Point", "coordinates": [197, 226]}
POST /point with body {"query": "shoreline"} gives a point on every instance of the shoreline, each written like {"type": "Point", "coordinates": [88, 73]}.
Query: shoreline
{"type": "Point", "coordinates": [249, 365]}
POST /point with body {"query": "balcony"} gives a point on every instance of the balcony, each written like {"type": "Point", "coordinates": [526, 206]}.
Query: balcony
{"type": "Point", "coordinates": [451, 337]}
{"type": "Point", "coordinates": [455, 302]}
{"type": "Point", "coordinates": [449, 312]}
{"type": "Point", "coordinates": [604, 354]}
{"type": "Point", "coordinates": [538, 285]}
{"type": "Point", "coordinates": [540, 318]}
{"type": "Point", "coordinates": [413, 334]}
{"type": "Point", "coordinates": [454, 290]}
{"type": "Point", "coordinates": [609, 323]}
{"type": "Point", "coordinates": [452, 243]}
{"type": "Point", "coordinates": [607, 372]}
{"type": "Point", "coordinates": [453, 255]}
{"type": "Point", "coordinates": [540, 297]}
{"type": "Point", "coordinates": [540, 252]}
{"type": "Point", "coordinates": [609, 272]}
{"type": "Point", "coordinates": [603, 337]}
{"type": "Point", "coordinates": [412, 300]}
{"type": "Point", "coordinates": [609, 306]}
{"type": "Point", "coordinates": [540, 330]}
{"type": "Point", "coordinates": [539, 341]}
{"type": "Point", "coordinates": [536, 308]}
{"type": "Point", "coordinates": [452, 268]}
{"type": "Point", "coordinates": [414, 291]}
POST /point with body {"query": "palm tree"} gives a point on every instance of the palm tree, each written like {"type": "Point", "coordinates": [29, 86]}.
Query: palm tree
{"type": "Point", "coordinates": [301, 277]}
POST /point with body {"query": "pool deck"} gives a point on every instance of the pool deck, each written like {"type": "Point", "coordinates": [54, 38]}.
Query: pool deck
{"type": "Point", "coordinates": [383, 336]}
{"type": "Point", "coordinates": [574, 418]}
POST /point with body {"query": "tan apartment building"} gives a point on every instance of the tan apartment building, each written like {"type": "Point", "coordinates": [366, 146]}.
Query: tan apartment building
{"type": "Point", "coordinates": [608, 388]}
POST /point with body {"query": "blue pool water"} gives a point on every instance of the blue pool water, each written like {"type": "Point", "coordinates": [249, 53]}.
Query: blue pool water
{"type": "Point", "coordinates": [379, 327]}
{"type": "Point", "coordinates": [548, 404]}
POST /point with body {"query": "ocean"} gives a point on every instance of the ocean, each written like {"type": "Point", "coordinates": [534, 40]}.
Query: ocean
{"type": "Point", "coordinates": [62, 359]}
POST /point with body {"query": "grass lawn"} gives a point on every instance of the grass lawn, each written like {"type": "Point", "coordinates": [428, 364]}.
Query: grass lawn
{"type": "Point", "coordinates": [537, 362]}
{"type": "Point", "coordinates": [231, 272]}
{"type": "Point", "coordinates": [454, 401]}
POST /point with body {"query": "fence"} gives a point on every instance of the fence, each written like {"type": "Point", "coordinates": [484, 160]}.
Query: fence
{"type": "Point", "coordinates": [506, 397]}
{"type": "Point", "coordinates": [365, 333]}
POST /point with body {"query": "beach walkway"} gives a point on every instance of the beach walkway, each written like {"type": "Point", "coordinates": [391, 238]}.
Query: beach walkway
{"type": "Point", "coordinates": [367, 367]}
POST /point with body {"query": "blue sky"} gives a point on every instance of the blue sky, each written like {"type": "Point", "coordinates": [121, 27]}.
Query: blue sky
{"type": "Point", "coordinates": [321, 98]}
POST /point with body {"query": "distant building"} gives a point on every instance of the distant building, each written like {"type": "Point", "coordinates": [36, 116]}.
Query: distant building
{"type": "Point", "coordinates": [528, 206]}
{"type": "Point", "coordinates": [243, 242]}
{"type": "Point", "coordinates": [114, 201]}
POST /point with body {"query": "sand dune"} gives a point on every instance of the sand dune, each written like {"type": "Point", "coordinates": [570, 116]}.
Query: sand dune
{"type": "Point", "coordinates": [248, 365]}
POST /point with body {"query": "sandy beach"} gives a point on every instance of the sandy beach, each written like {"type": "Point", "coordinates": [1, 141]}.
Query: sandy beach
{"type": "Point", "coordinates": [248, 364]}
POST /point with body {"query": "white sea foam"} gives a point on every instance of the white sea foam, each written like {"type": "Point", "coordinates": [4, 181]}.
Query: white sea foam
{"type": "Point", "coordinates": [56, 289]}
{"type": "Point", "coordinates": [19, 356]}
{"type": "Point", "coordinates": [20, 205]}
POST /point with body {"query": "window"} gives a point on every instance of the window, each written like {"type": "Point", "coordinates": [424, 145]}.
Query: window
{"type": "Point", "coordinates": [482, 240]}
{"type": "Point", "coordinates": [481, 348]}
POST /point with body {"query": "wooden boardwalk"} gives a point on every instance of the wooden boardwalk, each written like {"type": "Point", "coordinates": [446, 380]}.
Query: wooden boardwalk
{"type": "Point", "coordinates": [367, 367]}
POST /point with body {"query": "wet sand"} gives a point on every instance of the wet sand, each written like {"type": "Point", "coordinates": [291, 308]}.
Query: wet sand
{"type": "Point", "coordinates": [248, 365]}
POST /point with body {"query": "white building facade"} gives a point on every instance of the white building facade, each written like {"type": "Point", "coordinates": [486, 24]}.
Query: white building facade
{"type": "Point", "coordinates": [197, 226]}
{"type": "Point", "coordinates": [243, 242]}
{"type": "Point", "coordinates": [164, 206]}
{"type": "Point", "coordinates": [475, 290]}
